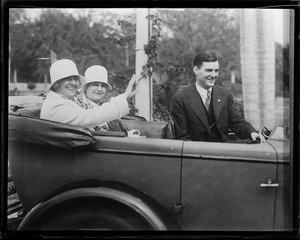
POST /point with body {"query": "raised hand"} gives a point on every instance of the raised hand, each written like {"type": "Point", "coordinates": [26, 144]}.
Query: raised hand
{"type": "Point", "coordinates": [129, 92]}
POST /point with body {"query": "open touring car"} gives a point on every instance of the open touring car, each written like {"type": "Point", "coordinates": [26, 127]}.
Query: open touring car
{"type": "Point", "coordinates": [68, 177]}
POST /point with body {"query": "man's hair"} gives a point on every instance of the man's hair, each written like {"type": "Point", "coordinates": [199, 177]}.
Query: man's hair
{"type": "Point", "coordinates": [205, 56]}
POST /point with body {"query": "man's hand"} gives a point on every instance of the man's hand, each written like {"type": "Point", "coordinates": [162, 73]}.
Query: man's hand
{"type": "Point", "coordinates": [255, 135]}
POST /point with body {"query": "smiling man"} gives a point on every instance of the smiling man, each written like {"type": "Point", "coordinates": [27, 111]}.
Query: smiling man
{"type": "Point", "coordinates": [205, 111]}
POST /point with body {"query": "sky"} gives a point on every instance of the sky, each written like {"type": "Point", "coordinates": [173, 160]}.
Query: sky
{"type": "Point", "coordinates": [278, 25]}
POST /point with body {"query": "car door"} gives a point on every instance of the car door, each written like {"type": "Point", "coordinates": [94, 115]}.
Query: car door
{"type": "Point", "coordinates": [228, 187]}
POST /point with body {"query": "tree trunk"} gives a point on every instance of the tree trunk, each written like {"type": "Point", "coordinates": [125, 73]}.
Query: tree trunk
{"type": "Point", "coordinates": [258, 67]}
{"type": "Point", "coordinates": [15, 77]}
{"type": "Point", "coordinates": [233, 76]}
{"type": "Point", "coordinates": [53, 57]}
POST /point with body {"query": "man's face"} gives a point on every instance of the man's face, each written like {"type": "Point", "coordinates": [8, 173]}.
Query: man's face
{"type": "Point", "coordinates": [207, 74]}
{"type": "Point", "coordinates": [68, 86]}
{"type": "Point", "coordinates": [96, 91]}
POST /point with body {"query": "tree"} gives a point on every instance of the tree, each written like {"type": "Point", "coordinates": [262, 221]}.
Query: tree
{"type": "Point", "coordinates": [108, 39]}
{"type": "Point", "coordinates": [201, 29]}
{"type": "Point", "coordinates": [78, 38]}
{"type": "Point", "coordinates": [282, 69]}
{"type": "Point", "coordinates": [185, 33]}
{"type": "Point", "coordinates": [20, 30]}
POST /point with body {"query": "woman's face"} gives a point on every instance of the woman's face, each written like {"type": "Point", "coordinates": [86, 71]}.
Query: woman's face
{"type": "Point", "coordinates": [68, 86]}
{"type": "Point", "coordinates": [95, 91]}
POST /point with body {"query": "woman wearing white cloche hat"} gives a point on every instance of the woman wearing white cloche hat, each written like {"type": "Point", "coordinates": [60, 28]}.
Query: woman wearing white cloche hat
{"type": "Point", "coordinates": [93, 92]}
{"type": "Point", "coordinates": [60, 105]}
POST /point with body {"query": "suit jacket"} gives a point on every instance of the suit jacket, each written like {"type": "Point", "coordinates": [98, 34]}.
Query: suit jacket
{"type": "Point", "coordinates": [190, 117]}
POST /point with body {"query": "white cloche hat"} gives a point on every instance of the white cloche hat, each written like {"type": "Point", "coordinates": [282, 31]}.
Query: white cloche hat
{"type": "Point", "coordinates": [97, 73]}
{"type": "Point", "coordinates": [64, 68]}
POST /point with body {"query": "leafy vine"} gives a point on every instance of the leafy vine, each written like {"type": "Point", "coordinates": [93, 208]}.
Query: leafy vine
{"type": "Point", "coordinates": [152, 46]}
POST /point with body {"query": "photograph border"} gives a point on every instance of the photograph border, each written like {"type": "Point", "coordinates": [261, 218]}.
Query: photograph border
{"type": "Point", "coordinates": [295, 90]}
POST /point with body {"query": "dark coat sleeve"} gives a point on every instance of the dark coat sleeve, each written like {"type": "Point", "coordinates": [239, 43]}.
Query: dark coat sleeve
{"type": "Point", "coordinates": [237, 123]}
{"type": "Point", "coordinates": [178, 115]}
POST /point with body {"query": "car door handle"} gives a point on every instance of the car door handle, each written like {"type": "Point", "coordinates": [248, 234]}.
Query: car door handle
{"type": "Point", "coordinates": [269, 184]}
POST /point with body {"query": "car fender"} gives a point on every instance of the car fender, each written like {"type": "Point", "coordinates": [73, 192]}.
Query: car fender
{"type": "Point", "coordinates": [150, 210]}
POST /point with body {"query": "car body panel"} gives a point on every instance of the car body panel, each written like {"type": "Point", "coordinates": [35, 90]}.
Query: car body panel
{"type": "Point", "coordinates": [205, 186]}
{"type": "Point", "coordinates": [221, 190]}
{"type": "Point", "coordinates": [283, 206]}
{"type": "Point", "coordinates": [42, 171]}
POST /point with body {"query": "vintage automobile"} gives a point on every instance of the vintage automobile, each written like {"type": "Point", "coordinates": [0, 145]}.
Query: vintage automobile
{"type": "Point", "coordinates": [68, 177]}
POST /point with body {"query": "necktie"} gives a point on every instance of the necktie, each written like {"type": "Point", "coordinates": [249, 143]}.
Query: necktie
{"type": "Point", "coordinates": [207, 101]}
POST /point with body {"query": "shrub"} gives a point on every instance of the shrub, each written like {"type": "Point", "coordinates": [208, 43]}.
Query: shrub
{"type": "Point", "coordinates": [14, 92]}
{"type": "Point", "coordinates": [31, 85]}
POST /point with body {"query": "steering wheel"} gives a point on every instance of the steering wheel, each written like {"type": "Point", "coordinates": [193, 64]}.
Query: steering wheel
{"type": "Point", "coordinates": [265, 132]}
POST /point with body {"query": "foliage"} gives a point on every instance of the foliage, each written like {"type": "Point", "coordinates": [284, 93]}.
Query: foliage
{"type": "Point", "coordinates": [170, 52]}
{"type": "Point", "coordinates": [194, 30]}
{"type": "Point", "coordinates": [69, 37]}
{"type": "Point", "coordinates": [175, 39]}
{"type": "Point", "coordinates": [109, 41]}
{"type": "Point", "coordinates": [286, 69]}
{"type": "Point", "coordinates": [126, 37]}
{"type": "Point", "coordinates": [17, 15]}
{"type": "Point", "coordinates": [20, 39]}
{"type": "Point", "coordinates": [14, 92]}
{"type": "Point", "coordinates": [31, 85]}
{"type": "Point", "coordinates": [282, 69]}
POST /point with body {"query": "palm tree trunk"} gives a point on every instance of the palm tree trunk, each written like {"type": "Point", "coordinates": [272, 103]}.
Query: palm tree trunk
{"type": "Point", "coordinates": [258, 67]}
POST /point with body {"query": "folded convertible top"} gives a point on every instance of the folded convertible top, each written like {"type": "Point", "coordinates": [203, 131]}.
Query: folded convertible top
{"type": "Point", "coordinates": [34, 131]}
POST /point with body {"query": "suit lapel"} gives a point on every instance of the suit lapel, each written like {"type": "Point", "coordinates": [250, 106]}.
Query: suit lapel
{"type": "Point", "coordinates": [196, 105]}
{"type": "Point", "coordinates": [217, 99]}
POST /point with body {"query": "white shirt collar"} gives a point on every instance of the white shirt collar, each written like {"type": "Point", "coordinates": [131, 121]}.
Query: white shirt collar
{"type": "Point", "coordinates": [202, 91]}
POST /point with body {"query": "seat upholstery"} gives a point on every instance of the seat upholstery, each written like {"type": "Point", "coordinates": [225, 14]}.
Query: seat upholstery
{"type": "Point", "coordinates": [29, 112]}
{"type": "Point", "coordinates": [150, 129]}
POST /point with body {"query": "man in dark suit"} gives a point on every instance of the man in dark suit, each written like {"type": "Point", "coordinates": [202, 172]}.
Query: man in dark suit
{"type": "Point", "coordinates": [205, 111]}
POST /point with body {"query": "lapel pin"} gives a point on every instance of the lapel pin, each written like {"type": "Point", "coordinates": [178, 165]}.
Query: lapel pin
{"type": "Point", "coordinates": [219, 100]}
